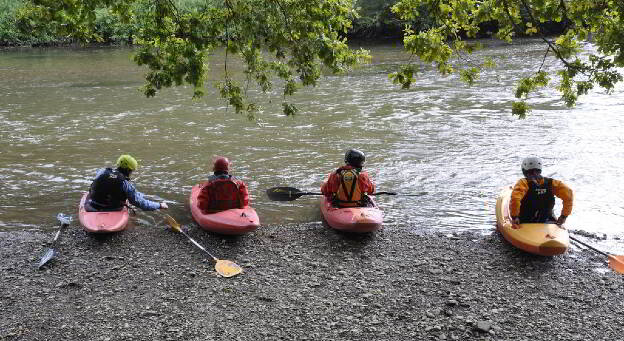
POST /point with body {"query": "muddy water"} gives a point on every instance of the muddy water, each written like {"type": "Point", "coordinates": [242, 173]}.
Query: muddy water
{"type": "Point", "coordinates": [65, 113]}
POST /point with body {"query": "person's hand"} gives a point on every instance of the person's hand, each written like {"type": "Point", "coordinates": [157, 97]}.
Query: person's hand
{"type": "Point", "coordinates": [515, 223]}
{"type": "Point", "coordinates": [561, 220]}
{"type": "Point", "coordinates": [163, 206]}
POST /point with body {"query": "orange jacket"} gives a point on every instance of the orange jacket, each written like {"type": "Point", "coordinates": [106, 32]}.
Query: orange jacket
{"type": "Point", "coordinates": [560, 190]}
{"type": "Point", "coordinates": [332, 184]}
{"type": "Point", "coordinates": [204, 201]}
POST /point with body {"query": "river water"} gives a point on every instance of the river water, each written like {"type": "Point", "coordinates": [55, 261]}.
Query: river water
{"type": "Point", "coordinates": [65, 113]}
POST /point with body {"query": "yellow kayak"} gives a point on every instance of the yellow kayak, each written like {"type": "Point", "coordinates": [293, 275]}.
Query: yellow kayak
{"type": "Point", "coordinates": [540, 239]}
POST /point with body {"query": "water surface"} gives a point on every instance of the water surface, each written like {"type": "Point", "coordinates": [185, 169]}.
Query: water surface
{"type": "Point", "coordinates": [65, 113]}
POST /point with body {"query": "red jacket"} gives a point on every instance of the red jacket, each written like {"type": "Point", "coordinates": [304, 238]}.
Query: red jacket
{"type": "Point", "coordinates": [222, 192]}
{"type": "Point", "coordinates": [332, 184]}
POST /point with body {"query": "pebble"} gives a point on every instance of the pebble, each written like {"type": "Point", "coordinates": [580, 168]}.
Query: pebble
{"type": "Point", "coordinates": [484, 326]}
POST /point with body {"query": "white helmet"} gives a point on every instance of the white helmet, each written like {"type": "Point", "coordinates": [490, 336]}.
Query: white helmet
{"type": "Point", "coordinates": [531, 163]}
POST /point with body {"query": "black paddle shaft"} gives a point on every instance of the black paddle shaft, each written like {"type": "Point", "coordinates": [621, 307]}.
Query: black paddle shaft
{"type": "Point", "coordinates": [287, 193]}
{"type": "Point", "coordinates": [589, 246]}
{"type": "Point", "coordinates": [291, 193]}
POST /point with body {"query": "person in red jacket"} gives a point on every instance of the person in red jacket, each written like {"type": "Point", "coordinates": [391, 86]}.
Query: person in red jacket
{"type": "Point", "coordinates": [222, 191]}
{"type": "Point", "coordinates": [348, 185]}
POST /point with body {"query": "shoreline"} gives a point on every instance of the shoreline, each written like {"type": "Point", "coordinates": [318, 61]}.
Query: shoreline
{"type": "Point", "coordinates": [302, 282]}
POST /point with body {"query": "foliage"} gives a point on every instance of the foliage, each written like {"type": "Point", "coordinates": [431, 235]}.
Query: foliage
{"type": "Point", "coordinates": [375, 19]}
{"type": "Point", "coordinates": [455, 20]}
{"type": "Point", "coordinates": [9, 32]}
{"type": "Point", "coordinates": [287, 40]}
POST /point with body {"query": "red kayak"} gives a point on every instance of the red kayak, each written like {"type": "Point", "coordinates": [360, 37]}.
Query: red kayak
{"type": "Point", "coordinates": [232, 221]}
{"type": "Point", "coordinates": [102, 222]}
{"type": "Point", "coordinates": [352, 219]}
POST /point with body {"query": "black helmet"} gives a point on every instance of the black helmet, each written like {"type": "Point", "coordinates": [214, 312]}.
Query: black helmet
{"type": "Point", "coordinates": [354, 158]}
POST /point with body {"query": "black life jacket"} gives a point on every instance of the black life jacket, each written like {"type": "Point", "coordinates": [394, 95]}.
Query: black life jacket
{"type": "Point", "coordinates": [223, 192]}
{"type": "Point", "coordinates": [537, 205]}
{"type": "Point", "coordinates": [106, 192]}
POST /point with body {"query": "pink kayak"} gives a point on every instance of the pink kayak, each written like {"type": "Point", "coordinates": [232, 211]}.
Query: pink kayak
{"type": "Point", "coordinates": [232, 221]}
{"type": "Point", "coordinates": [102, 222]}
{"type": "Point", "coordinates": [352, 219]}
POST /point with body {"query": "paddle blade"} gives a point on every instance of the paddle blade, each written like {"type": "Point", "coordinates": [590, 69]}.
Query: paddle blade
{"type": "Point", "coordinates": [172, 222]}
{"type": "Point", "coordinates": [50, 253]}
{"type": "Point", "coordinates": [226, 268]}
{"type": "Point", "coordinates": [283, 193]}
{"type": "Point", "coordinates": [616, 263]}
{"type": "Point", "coordinates": [64, 219]}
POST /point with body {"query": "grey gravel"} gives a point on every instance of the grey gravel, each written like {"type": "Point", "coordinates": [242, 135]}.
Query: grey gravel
{"type": "Point", "coordinates": [302, 282]}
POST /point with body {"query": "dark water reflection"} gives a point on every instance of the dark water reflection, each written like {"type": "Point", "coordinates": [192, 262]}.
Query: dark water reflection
{"type": "Point", "coordinates": [66, 113]}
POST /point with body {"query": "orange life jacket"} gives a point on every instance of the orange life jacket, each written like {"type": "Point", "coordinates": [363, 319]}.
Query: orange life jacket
{"type": "Point", "coordinates": [223, 193]}
{"type": "Point", "coordinates": [349, 193]}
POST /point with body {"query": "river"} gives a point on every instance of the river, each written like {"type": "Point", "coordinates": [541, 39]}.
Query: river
{"type": "Point", "coordinates": [65, 113]}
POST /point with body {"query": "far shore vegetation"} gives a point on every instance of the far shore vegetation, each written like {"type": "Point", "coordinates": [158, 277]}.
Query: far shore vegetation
{"type": "Point", "coordinates": [293, 40]}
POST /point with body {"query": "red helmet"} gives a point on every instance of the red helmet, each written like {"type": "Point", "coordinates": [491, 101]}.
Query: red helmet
{"type": "Point", "coordinates": [221, 164]}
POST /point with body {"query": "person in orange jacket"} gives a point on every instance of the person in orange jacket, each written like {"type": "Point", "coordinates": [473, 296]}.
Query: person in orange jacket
{"type": "Point", "coordinates": [348, 185]}
{"type": "Point", "coordinates": [533, 197]}
{"type": "Point", "coordinates": [222, 191]}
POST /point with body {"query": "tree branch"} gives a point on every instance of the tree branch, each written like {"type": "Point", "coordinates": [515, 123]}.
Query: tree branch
{"type": "Point", "coordinates": [550, 44]}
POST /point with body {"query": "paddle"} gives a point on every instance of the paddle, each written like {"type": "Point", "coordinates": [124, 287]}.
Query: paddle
{"type": "Point", "coordinates": [615, 262]}
{"type": "Point", "coordinates": [223, 267]}
{"type": "Point", "coordinates": [51, 252]}
{"type": "Point", "coordinates": [291, 193]}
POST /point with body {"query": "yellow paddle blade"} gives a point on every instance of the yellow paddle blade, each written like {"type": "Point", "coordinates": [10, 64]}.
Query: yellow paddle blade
{"type": "Point", "coordinates": [616, 263]}
{"type": "Point", "coordinates": [172, 222]}
{"type": "Point", "coordinates": [227, 268]}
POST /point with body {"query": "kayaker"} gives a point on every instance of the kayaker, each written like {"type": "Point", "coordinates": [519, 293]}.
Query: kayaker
{"type": "Point", "coordinates": [348, 185]}
{"type": "Point", "coordinates": [112, 187]}
{"type": "Point", "coordinates": [222, 191]}
{"type": "Point", "coordinates": [533, 197]}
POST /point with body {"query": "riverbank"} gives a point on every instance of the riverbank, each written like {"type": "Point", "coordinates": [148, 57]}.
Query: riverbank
{"type": "Point", "coordinates": [302, 282]}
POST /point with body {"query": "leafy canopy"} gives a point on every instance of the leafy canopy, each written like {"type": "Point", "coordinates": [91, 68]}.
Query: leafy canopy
{"type": "Point", "coordinates": [455, 20]}
{"type": "Point", "coordinates": [286, 40]}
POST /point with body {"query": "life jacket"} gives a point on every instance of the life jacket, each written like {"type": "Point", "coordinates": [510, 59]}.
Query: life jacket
{"type": "Point", "coordinates": [538, 203]}
{"type": "Point", "coordinates": [223, 191]}
{"type": "Point", "coordinates": [349, 193]}
{"type": "Point", "coordinates": [106, 192]}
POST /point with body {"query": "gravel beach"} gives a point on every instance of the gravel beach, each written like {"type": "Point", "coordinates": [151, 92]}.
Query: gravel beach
{"type": "Point", "coordinates": [302, 282]}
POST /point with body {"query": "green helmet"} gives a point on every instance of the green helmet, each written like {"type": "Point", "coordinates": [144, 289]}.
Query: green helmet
{"type": "Point", "coordinates": [127, 162]}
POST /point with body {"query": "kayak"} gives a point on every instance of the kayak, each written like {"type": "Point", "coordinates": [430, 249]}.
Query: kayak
{"type": "Point", "coordinates": [232, 221]}
{"type": "Point", "coordinates": [102, 222]}
{"type": "Point", "coordinates": [352, 219]}
{"type": "Point", "coordinates": [539, 239]}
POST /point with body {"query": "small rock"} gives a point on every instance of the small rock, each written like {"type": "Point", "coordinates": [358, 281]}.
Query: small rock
{"type": "Point", "coordinates": [150, 313]}
{"type": "Point", "coordinates": [484, 326]}
{"type": "Point", "coordinates": [265, 299]}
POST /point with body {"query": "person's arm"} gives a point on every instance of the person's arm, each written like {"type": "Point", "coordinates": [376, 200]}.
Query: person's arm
{"type": "Point", "coordinates": [518, 193]}
{"type": "Point", "coordinates": [366, 184]}
{"type": "Point", "coordinates": [563, 192]}
{"type": "Point", "coordinates": [203, 198]}
{"type": "Point", "coordinates": [244, 193]}
{"type": "Point", "coordinates": [331, 186]}
{"type": "Point", "coordinates": [137, 198]}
